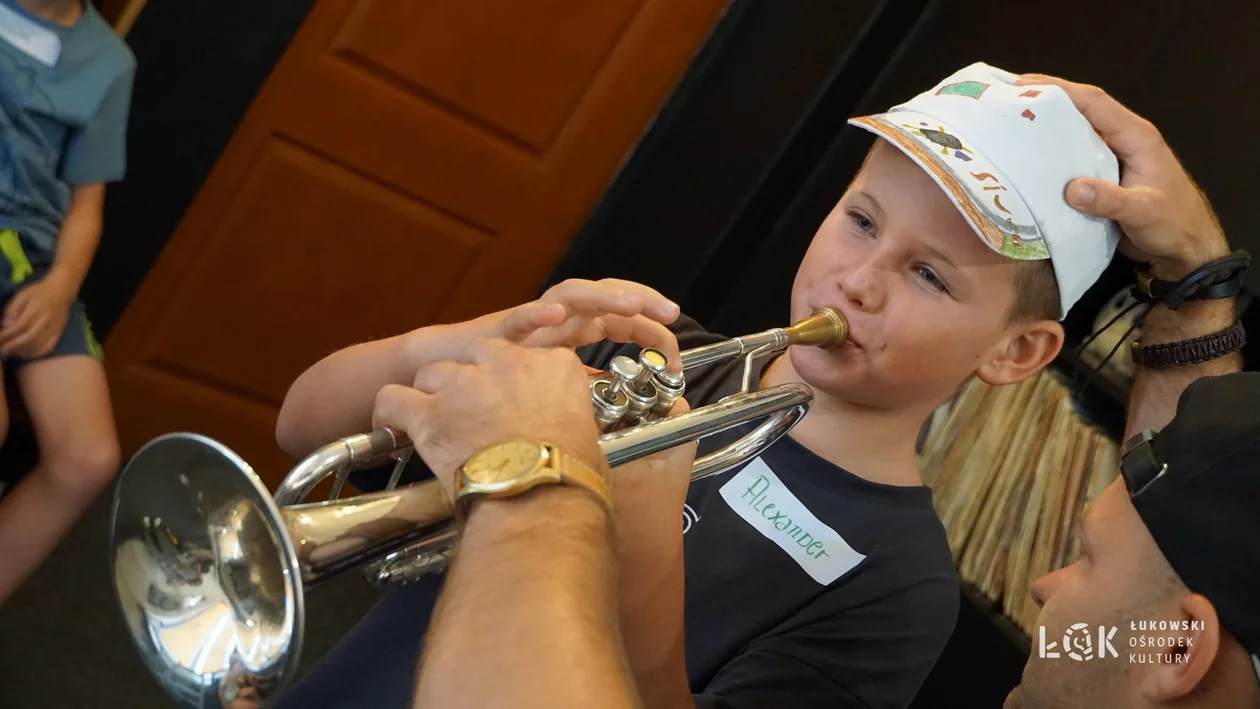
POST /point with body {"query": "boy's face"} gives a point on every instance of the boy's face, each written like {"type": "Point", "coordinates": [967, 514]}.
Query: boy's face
{"type": "Point", "coordinates": [926, 299]}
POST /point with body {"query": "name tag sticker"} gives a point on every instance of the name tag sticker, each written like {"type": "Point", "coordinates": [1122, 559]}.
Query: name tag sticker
{"type": "Point", "coordinates": [29, 37]}
{"type": "Point", "coordinates": [757, 495]}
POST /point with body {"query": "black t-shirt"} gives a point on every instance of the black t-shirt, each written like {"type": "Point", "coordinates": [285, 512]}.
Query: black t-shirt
{"type": "Point", "coordinates": [806, 586]}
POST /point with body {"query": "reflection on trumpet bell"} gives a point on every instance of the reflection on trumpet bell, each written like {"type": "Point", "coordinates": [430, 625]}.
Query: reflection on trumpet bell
{"type": "Point", "coordinates": [204, 573]}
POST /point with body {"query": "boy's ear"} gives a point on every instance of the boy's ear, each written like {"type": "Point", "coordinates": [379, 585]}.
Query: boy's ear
{"type": "Point", "coordinates": [1022, 353]}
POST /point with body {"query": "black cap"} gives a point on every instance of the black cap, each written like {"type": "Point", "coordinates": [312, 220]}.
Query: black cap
{"type": "Point", "coordinates": [1196, 485]}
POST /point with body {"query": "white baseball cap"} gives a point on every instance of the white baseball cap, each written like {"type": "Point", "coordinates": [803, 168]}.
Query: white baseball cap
{"type": "Point", "coordinates": [1004, 155]}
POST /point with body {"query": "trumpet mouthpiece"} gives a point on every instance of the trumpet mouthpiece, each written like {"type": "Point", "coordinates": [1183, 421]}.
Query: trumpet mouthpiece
{"type": "Point", "coordinates": [826, 328]}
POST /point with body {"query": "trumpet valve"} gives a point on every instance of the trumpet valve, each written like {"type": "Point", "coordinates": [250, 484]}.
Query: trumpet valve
{"type": "Point", "coordinates": [610, 405]}
{"type": "Point", "coordinates": [634, 381]}
{"type": "Point", "coordinates": [626, 374]}
{"type": "Point", "coordinates": [653, 363]}
{"type": "Point", "coordinates": [641, 402]}
{"type": "Point", "coordinates": [669, 389]}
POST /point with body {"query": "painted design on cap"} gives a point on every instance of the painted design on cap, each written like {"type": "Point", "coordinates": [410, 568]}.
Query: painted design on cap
{"type": "Point", "coordinates": [1029, 115]}
{"type": "Point", "coordinates": [970, 89]}
{"type": "Point", "coordinates": [942, 138]}
{"type": "Point", "coordinates": [1030, 93]}
{"type": "Point", "coordinates": [990, 217]}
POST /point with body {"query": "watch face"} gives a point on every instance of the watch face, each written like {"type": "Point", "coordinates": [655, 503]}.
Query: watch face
{"type": "Point", "coordinates": [504, 461]}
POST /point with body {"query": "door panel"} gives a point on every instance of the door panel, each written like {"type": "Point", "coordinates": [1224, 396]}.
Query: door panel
{"type": "Point", "coordinates": [406, 163]}
{"type": "Point", "coordinates": [493, 64]}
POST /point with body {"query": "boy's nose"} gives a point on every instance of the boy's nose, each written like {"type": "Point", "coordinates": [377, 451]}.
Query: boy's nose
{"type": "Point", "coordinates": [863, 287]}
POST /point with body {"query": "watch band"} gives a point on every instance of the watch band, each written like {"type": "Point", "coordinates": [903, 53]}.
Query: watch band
{"type": "Point", "coordinates": [559, 468]}
{"type": "Point", "coordinates": [1194, 351]}
{"type": "Point", "coordinates": [573, 470]}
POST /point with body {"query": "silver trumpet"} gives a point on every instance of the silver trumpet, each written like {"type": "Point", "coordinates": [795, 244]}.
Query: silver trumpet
{"type": "Point", "coordinates": [210, 568]}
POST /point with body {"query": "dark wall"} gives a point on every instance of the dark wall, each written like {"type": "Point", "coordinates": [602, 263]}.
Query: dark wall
{"type": "Point", "coordinates": [200, 63]}
{"type": "Point", "coordinates": [740, 123]}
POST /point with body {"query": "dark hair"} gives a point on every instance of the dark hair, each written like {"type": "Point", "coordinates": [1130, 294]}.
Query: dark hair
{"type": "Point", "coordinates": [1036, 293]}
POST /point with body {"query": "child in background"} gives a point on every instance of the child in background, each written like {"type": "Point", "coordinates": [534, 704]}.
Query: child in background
{"type": "Point", "coordinates": [65, 92]}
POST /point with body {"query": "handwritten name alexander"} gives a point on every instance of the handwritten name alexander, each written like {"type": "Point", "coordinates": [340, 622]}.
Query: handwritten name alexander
{"type": "Point", "coordinates": [755, 497]}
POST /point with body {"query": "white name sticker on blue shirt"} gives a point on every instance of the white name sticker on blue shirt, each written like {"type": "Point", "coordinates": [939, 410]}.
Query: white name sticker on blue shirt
{"type": "Point", "coordinates": [757, 495]}
{"type": "Point", "coordinates": [29, 36]}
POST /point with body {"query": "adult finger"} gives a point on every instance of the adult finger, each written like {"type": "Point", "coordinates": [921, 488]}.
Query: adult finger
{"type": "Point", "coordinates": [403, 408]}
{"type": "Point", "coordinates": [645, 333]}
{"type": "Point", "coordinates": [1133, 207]}
{"type": "Point", "coordinates": [1129, 135]}
{"type": "Point", "coordinates": [521, 322]}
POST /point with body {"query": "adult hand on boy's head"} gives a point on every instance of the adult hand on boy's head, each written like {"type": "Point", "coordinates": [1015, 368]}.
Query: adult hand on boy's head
{"type": "Point", "coordinates": [35, 319]}
{"type": "Point", "coordinates": [579, 312]}
{"type": "Point", "coordinates": [1166, 218]}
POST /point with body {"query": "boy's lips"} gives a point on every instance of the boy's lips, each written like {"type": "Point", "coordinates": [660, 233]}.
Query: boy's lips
{"type": "Point", "coordinates": [852, 339]}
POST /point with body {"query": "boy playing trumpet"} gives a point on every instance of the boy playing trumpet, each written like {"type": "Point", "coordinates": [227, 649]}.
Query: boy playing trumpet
{"type": "Point", "coordinates": [818, 574]}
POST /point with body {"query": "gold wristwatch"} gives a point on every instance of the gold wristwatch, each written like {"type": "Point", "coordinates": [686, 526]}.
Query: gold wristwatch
{"type": "Point", "coordinates": [512, 467]}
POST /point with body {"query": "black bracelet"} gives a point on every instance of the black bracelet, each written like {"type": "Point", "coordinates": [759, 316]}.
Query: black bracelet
{"type": "Point", "coordinates": [1221, 278]}
{"type": "Point", "coordinates": [1195, 351]}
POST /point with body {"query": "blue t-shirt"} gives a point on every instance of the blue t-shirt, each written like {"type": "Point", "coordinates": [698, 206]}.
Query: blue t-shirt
{"type": "Point", "coordinates": [63, 116]}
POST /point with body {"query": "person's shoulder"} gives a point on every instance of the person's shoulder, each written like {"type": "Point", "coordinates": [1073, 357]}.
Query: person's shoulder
{"type": "Point", "coordinates": [107, 44]}
{"type": "Point", "coordinates": [917, 536]}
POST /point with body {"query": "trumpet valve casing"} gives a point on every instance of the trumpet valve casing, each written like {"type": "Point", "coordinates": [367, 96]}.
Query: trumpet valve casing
{"type": "Point", "coordinates": [610, 405]}
{"type": "Point", "coordinates": [669, 389]}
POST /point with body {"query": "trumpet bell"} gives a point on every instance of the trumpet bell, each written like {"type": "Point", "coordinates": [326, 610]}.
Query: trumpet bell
{"type": "Point", "coordinates": [210, 591]}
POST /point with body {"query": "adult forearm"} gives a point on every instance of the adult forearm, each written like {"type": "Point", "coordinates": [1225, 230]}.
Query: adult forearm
{"type": "Point", "coordinates": [1153, 398]}
{"type": "Point", "coordinates": [334, 397]}
{"type": "Point", "coordinates": [528, 616]}
{"type": "Point", "coordinates": [79, 236]}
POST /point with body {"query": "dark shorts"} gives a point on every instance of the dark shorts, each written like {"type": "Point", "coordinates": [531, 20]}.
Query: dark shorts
{"type": "Point", "coordinates": [18, 271]}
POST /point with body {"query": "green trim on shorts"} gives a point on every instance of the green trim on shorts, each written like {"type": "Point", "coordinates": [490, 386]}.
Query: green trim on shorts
{"type": "Point", "coordinates": [93, 345]}
{"type": "Point", "coordinates": [19, 265]}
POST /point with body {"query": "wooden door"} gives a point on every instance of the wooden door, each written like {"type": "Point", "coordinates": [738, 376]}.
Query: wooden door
{"type": "Point", "coordinates": [407, 162]}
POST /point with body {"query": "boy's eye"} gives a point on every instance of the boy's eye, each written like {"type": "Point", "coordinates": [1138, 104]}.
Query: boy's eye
{"type": "Point", "coordinates": [934, 281]}
{"type": "Point", "coordinates": [862, 221]}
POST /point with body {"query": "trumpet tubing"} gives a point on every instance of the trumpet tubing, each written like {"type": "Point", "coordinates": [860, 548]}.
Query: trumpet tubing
{"type": "Point", "coordinates": [210, 569]}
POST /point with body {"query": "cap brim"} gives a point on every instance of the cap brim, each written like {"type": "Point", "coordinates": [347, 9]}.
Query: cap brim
{"type": "Point", "coordinates": [983, 195]}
